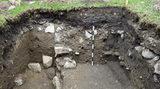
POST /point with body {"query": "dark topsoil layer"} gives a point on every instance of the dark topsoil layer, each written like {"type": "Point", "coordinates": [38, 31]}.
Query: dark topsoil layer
{"type": "Point", "coordinates": [10, 34]}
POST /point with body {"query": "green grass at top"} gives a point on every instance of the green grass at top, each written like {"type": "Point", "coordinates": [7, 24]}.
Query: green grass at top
{"type": "Point", "coordinates": [140, 6]}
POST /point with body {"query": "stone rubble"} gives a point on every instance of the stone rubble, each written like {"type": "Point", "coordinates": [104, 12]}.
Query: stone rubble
{"type": "Point", "coordinates": [19, 80]}
{"type": "Point", "coordinates": [35, 67]}
{"type": "Point", "coordinates": [47, 61]}
{"type": "Point", "coordinates": [65, 62]}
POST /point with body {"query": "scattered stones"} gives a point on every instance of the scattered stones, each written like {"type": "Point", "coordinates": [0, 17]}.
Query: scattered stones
{"type": "Point", "coordinates": [155, 78]}
{"type": "Point", "coordinates": [11, 7]}
{"type": "Point", "coordinates": [51, 73]}
{"type": "Point", "coordinates": [50, 29]}
{"type": "Point", "coordinates": [146, 53]}
{"type": "Point", "coordinates": [77, 53]}
{"type": "Point", "coordinates": [70, 64]}
{"type": "Point", "coordinates": [157, 68]}
{"type": "Point", "coordinates": [35, 67]}
{"type": "Point", "coordinates": [139, 48]}
{"type": "Point", "coordinates": [19, 80]}
{"type": "Point", "coordinates": [56, 82]}
{"type": "Point", "coordinates": [47, 61]}
{"type": "Point", "coordinates": [59, 50]}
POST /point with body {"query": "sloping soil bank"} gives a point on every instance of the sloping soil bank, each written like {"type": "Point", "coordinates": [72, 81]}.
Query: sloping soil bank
{"type": "Point", "coordinates": [118, 38]}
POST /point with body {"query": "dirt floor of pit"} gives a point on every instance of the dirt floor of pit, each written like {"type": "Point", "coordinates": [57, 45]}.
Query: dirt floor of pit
{"type": "Point", "coordinates": [98, 76]}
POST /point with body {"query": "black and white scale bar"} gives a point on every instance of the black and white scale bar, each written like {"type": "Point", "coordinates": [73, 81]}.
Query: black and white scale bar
{"type": "Point", "coordinates": [93, 43]}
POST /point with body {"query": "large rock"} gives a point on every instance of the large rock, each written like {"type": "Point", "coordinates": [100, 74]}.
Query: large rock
{"type": "Point", "coordinates": [35, 67]}
{"type": "Point", "coordinates": [60, 49]}
{"type": "Point", "coordinates": [147, 54]}
{"type": "Point", "coordinates": [19, 80]}
{"type": "Point", "coordinates": [70, 64]}
{"type": "Point", "coordinates": [56, 82]}
{"type": "Point", "coordinates": [50, 29]}
{"type": "Point", "coordinates": [51, 73]}
{"type": "Point", "coordinates": [47, 61]}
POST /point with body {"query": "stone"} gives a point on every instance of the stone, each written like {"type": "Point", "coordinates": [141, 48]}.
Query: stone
{"type": "Point", "coordinates": [47, 61]}
{"type": "Point", "coordinates": [19, 80]}
{"type": "Point", "coordinates": [157, 68]}
{"type": "Point", "coordinates": [39, 29]}
{"type": "Point", "coordinates": [51, 73]}
{"type": "Point", "coordinates": [58, 29]}
{"type": "Point", "coordinates": [156, 58]}
{"type": "Point", "coordinates": [146, 53]}
{"type": "Point", "coordinates": [120, 31]}
{"type": "Point", "coordinates": [31, 2]}
{"type": "Point", "coordinates": [50, 29]}
{"type": "Point", "coordinates": [155, 78]}
{"type": "Point", "coordinates": [88, 35]}
{"type": "Point", "coordinates": [14, 2]}
{"type": "Point", "coordinates": [107, 52]}
{"type": "Point", "coordinates": [116, 53]}
{"type": "Point", "coordinates": [57, 37]}
{"type": "Point", "coordinates": [11, 7]}
{"type": "Point", "coordinates": [70, 64]}
{"type": "Point", "coordinates": [129, 53]}
{"type": "Point", "coordinates": [35, 67]}
{"type": "Point", "coordinates": [77, 53]}
{"type": "Point", "coordinates": [139, 48]}
{"type": "Point", "coordinates": [60, 49]}
{"type": "Point", "coordinates": [56, 82]}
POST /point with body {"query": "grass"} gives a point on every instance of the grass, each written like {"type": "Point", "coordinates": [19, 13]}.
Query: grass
{"type": "Point", "coordinates": [139, 6]}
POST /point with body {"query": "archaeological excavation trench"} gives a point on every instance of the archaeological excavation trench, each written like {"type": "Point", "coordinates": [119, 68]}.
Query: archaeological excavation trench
{"type": "Point", "coordinates": [48, 49]}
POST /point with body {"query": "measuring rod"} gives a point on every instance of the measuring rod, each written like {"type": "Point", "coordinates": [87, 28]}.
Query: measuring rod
{"type": "Point", "coordinates": [93, 43]}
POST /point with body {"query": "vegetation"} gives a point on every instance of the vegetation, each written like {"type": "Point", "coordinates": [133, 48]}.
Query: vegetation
{"type": "Point", "coordinates": [140, 6]}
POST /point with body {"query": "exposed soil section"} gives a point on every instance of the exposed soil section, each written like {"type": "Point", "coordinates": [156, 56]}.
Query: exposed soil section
{"type": "Point", "coordinates": [117, 36]}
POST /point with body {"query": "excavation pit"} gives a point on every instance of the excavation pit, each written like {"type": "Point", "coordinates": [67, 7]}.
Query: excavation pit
{"type": "Point", "coordinates": [125, 52]}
